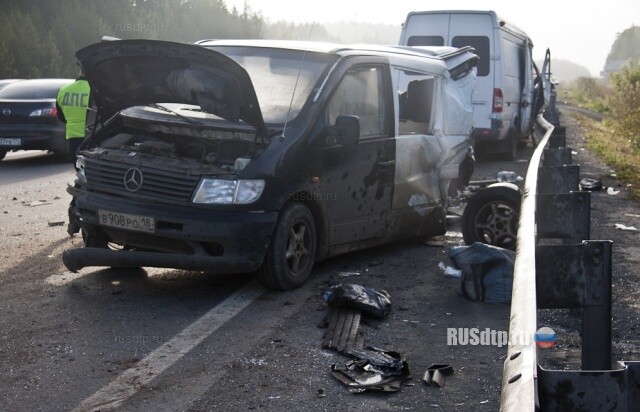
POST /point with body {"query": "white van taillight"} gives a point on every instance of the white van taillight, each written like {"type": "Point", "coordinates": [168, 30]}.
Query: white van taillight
{"type": "Point", "coordinates": [497, 101]}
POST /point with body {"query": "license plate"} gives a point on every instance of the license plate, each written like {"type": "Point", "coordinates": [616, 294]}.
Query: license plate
{"type": "Point", "coordinates": [127, 221]}
{"type": "Point", "coordinates": [10, 141]}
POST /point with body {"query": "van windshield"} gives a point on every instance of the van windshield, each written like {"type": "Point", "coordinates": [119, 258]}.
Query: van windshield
{"type": "Point", "coordinates": [277, 73]}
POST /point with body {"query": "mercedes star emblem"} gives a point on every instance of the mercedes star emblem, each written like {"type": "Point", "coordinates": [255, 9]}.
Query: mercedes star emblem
{"type": "Point", "coordinates": [133, 179]}
{"type": "Point", "coordinates": [6, 112]}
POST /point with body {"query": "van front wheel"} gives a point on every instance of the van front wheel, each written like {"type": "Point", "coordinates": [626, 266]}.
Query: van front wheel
{"type": "Point", "coordinates": [292, 250]}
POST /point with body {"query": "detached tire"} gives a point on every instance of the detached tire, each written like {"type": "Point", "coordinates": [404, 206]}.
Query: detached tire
{"type": "Point", "coordinates": [292, 251]}
{"type": "Point", "coordinates": [491, 217]}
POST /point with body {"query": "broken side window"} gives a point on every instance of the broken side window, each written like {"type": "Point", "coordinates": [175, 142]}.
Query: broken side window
{"type": "Point", "coordinates": [415, 102]}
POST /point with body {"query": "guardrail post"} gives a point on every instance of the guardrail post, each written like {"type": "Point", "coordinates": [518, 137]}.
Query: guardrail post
{"type": "Point", "coordinates": [596, 316]}
{"type": "Point", "coordinates": [558, 179]}
{"type": "Point", "coordinates": [557, 157]}
{"type": "Point", "coordinates": [564, 216]}
{"type": "Point", "coordinates": [558, 137]}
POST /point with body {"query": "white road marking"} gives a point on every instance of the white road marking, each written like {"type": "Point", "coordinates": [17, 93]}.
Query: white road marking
{"type": "Point", "coordinates": [134, 378]}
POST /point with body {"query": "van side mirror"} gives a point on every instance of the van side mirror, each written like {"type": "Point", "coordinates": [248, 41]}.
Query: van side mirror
{"type": "Point", "coordinates": [346, 131]}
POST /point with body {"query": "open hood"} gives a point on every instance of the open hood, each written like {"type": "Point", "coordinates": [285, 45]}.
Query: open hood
{"type": "Point", "coordinates": [127, 73]}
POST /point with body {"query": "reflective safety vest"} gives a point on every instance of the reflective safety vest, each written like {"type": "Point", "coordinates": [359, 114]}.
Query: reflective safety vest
{"type": "Point", "coordinates": [73, 99]}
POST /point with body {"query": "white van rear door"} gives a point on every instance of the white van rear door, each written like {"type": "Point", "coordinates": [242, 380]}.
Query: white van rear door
{"type": "Point", "coordinates": [476, 30]}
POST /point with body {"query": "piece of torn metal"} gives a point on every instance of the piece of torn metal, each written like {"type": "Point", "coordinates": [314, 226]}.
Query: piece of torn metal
{"type": "Point", "coordinates": [59, 223]}
{"type": "Point", "coordinates": [343, 333]}
{"type": "Point", "coordinates": [625, 227]}
{"type": "Point", "coordinates": [611, 191]}
{"type": "Point", "coordinates": [373, 370]}
{"type": "Point", "coordinates": [590, 184]}
{"type": "Point", "coordinates": [370, 301]}
{"type": "Point", "coordinates": [435, 375]}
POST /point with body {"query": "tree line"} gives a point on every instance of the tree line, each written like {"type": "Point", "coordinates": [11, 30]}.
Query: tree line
{"type": "Point", "coordinates": [39, 38]}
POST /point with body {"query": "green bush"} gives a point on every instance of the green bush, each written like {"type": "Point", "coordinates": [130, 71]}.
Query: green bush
{"type": "Point", "coordinates": [624, 102]}
{"type": "Point", "coordinates": [587, 92]}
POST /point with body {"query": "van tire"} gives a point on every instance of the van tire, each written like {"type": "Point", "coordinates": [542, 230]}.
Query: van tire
{"type": "Point", "coordinates": [491, 217]}
{"type": "Point", "coordinates": [292, 250]}
{"type": "Point", "coordinates": [512, 147]}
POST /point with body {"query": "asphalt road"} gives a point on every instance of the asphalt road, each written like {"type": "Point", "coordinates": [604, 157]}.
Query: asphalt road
{"type": "Point", "coordinates": [175, 340]}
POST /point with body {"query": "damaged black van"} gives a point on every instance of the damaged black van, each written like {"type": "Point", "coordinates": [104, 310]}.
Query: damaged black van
{"type": "Point", "coordinates": [234, 156]}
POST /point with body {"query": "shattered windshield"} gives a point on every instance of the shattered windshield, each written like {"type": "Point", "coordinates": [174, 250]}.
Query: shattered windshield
{"type": "Point", "coordinates": [274, 74]}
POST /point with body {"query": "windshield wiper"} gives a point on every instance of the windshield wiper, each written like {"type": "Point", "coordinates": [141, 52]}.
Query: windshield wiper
{"type": "Point", "coordinates": [183, 117]}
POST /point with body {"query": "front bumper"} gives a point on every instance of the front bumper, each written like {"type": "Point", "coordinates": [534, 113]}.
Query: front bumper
{"type": "Point", "coordinates": [185, 237]}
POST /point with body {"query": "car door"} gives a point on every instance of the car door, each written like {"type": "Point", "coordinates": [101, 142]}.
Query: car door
{"type": "Point", "coordinates": [527, 89]}
{"type": "Point", "coordinates": [357, 178]}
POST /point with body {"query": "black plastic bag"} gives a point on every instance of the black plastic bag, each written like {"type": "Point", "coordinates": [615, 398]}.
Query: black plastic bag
{"type": "Point", "coordinates": [370, 301]}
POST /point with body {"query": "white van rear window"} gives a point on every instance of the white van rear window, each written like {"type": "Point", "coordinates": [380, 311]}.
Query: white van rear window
{"type": "Point", "coordinates": [425, 41]}
{"type": "Point", "coordinates": [481, 44]}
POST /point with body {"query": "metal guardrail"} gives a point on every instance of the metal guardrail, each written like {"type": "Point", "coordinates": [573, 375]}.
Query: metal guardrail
{"type": "Point", "coordinates": [520, 368]}
{"type": "Point", "coordinates": [557, 266]}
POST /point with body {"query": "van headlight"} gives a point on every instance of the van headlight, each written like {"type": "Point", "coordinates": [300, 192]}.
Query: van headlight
{"type": "Point", "coordinates": [228, 192]}
{"type": "Point", "coordinates": [80, 163]}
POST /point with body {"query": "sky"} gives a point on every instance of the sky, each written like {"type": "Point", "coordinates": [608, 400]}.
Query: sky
{"type": "Point", "coordinates": [581, 31]}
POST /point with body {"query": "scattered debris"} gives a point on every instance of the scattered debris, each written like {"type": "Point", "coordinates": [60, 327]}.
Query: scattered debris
{"type": "Point", "coordinates": [271, 398]}
{"type": "Point", "coordinates": [508, 176]}
{"type": "Point", "coordinates": [376, 262]}
{"type": "Point", "coordinates": [612, 192]}
{"type": "Point", "coordinates": [450, 271]}
{"type": "Point", "coordinates": [349, 274]}
{"type": "Point", "coordinates": [57, 198]}
{"type": "Point", "coordinates": [433, 243]}
{"type": "Point", "coordinates": [573, 152]}
{"type": "Point", "coordinates": [487, 272]}
{"type": "Point", "coordinates": [624, 227]}
{"type": "Point", "coordinates": [321, 393]}
{"type": "Point", "coordinates": [370, 301]}
{"type": "Point", "coordinates": [343, 333]}
{"type": "Point", "coordinates": [39, 203]}
{"type": "Point", "coordinates": [487, 401]}
{"type": "Point", "coordinates": [435, 375]}
{"type": "Point", "coordinates": [631, 215]}
{"type": "Point", "coordinates": [60, 223]}
{"type": "Point", "coordinates": [590, 184]}
{"type": "Point", "coordinates": [373, 370]}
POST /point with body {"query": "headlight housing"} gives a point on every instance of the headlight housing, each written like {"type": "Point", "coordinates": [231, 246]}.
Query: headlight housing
{"type": "Point", "coordinates": [228, 192]}
{"type": "Point", "coordinates": [80, 162]}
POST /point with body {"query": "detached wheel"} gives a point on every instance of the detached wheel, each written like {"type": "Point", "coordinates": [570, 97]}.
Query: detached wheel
{"type": "Point", "coordinates": [491, 217]}
{"type": "Point", "coordinates": [292, 250]}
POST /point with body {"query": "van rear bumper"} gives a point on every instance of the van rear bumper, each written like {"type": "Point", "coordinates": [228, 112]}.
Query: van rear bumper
{"type": "Point", "coordinates": [492, 134]}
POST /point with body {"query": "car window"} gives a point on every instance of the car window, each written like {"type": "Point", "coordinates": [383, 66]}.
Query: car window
{"type": "Point", "coordinates": [481, 44]}
{"type": "Point", "coordinates": [426, 41]}
{"type": "Point", "coordinates": [361, 93]}
{"type": "Point", "coordinates": [415, 102]}
{"type": "Point", "coordinates": [28, 90]}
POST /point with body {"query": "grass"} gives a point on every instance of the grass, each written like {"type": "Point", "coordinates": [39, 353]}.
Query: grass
{"type": "Point", "coordinates": [617, 151]}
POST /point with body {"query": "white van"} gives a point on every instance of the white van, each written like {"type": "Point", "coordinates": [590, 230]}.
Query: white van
{"type": "Point", "coordinates": [504, 92]}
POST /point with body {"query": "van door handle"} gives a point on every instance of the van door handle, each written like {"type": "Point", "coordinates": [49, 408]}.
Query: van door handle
{"type": "Point", "coordinates": [388, 163]}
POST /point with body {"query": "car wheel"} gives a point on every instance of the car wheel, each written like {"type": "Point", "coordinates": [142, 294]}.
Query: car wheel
{"type": "Point", "coordinates": [491, 217]}
{"type": "Point", "coordinates": [292, 250]}
{"type": "Point", "coordinates": [512, 147]}
{"type": "Point", "coordinates": [3, 153]}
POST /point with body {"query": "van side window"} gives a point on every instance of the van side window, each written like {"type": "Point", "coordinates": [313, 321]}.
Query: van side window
{"type": "Point", "coordinates": [415, 102]}
{"type": "Point", "coordinates": [361, 93]}
{"type": "Point", "coordinates": [481, 44]}
{"type": "Point", "coordinates": [426, 41]}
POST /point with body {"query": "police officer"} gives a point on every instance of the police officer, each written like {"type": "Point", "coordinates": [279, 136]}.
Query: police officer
{"type": "Point", "coordinates": [72, 102]}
